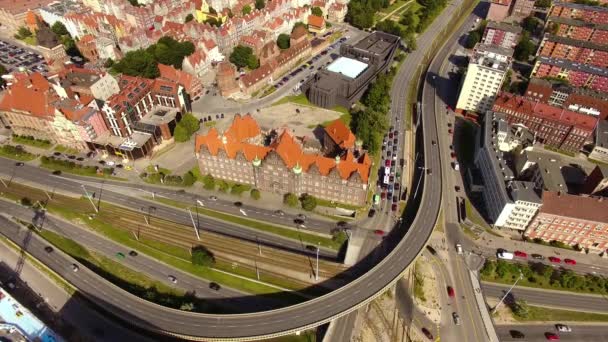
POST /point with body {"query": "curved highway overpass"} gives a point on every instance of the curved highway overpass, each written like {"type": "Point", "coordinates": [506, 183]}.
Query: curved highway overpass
{"type": "Point", "coordinates": [248, 327]}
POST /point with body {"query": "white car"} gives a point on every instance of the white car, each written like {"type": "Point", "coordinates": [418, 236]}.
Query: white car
{"type": "Point", "coordinates": [459, 248]}
{"type": "Point", "coordinates": [563, 328]}
{"type": "Point", "coordinates": [172, 279]}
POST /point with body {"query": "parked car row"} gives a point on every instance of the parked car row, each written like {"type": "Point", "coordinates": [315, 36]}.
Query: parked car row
{"type": "Point", "coordinates": [14, 57]}
{"type": "Point", "coordinates": [504, 254]}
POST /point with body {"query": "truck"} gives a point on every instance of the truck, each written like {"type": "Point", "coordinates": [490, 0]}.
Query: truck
{"type": "Point", "coordinates": [504, 255]}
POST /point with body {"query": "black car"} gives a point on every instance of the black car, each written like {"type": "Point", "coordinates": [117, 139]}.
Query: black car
{"type": "Point", "coordinates": [57, 172]}
{"type": "Point", "coordinates": [214, 286]}
{"type": "Point", "coordinates": [371, 213]}
{"type": "Point", "coordinates": [19, 164]}
{"type": "Point", "coordinates": [538, 256]}
{"type": "Point", "coordinates": [298, 221]}
{"type": "Point", "coordinates": [427, 333]}
{"type": "Point", "coordinates": [516, 334]}
{"type": "Point", "coordinates": [133, 253]}
{"type": "Point", "coordinates": [48, 249]}
{"type": "Point", "coordinates": [311, 248]}
{"type": "Point", "coordinates": [302, 216]}
{"type": "Point", "coordinates": [238, 204]}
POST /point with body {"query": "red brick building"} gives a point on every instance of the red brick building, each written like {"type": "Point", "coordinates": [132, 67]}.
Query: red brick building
{"type": "Point", "coordinates": [226, 74]}
{"type": "Point", "coordinates": [88, 48]}
{"type": "Point", "coordinates": [578, 75]}
{"type": "Point", "coordinates": [578, 51]}
{"type": "Point", "coordinates": [573, 220]}
{"type": "Point", "coordinates": [581, 100]}
{"type": "Point", "coordinates": [580, 30]}
{"type": "Point", "coordinates": [552, 126]}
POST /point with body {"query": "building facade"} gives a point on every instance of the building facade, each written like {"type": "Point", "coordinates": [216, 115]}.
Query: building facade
{"type": "Point", "coordinates": [579, 30]}
{"type": "Point", "coordinates": [573, 220]}
{"type": "Point", "coordinates": [509, 203]}
{"type": "Point", "coordinates": [501, 34]}
{"type": "Point", "coordinates": [287, 164]}
{"type": "Point", "coordinates": [578, 51]}
{"type": "Point", "coordinates": [487, 68]}
{"type": "Point", "coordinates": [600, 147]}
{"type": "Point", "coordinates": [552, 126]}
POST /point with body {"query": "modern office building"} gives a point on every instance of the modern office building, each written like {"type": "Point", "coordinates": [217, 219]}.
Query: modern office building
{"type": "Point", "coordinates": [484, 76]}
{"type": "Point", "coordinates": [333, 168]}
{"type": "Point", "coordinates": [573, 220]}
{"type": "Point", "coordinates": [345, 80]}
{"type": "Point", "coordinates": [509, 203]}
{"type": "Point", "coordinates": [600, 148]}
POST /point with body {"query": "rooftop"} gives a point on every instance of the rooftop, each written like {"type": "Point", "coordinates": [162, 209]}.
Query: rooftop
{"type": "Point", "coordinates": [577, 22]}
{"type": "Point", "coordinates": [549, 167]}
{"type": "Point", "coordinates": [564, 63]}
{"type": "Point", "coordinates": [348, 67]}
{"type": "Point", "coordinates": [574, 42]}
{"type": "Point", "coordinates": [601, 134]}
{"type": "Point", "coordinates": [581, 6]}
{"type": "Point", "coordinates": [503, 26]}
{"type": "Point", "coordinates": [580, 207]}
{"type": "Point", "coordinates": [159, 115]}
{"type": "Point", "coordinates": [377, 42]}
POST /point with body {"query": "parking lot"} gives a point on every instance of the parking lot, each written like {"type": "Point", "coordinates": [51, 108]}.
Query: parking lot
{"type": "Point", "coordinates": [14, 57]}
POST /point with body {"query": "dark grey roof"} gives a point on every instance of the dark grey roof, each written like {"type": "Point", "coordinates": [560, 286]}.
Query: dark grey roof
{"type": "Point", "coordinates": [576, 22]}
{"type": "Point", "coordinates": [523, 191]}
{"type": "Point", "coordinates": [563, 63]}
{"type": "Point", "coordinates": [503, 26]}
{"type": "Point", "coordinates": [581, 6]}
{"type": "Point", "coordinates": [550, 166]}
{"type": "Point", "coordinates": [574, 42]}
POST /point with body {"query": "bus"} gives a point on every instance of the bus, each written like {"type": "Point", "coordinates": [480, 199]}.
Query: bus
{"type": "Point", "coordinates": [376, 199]}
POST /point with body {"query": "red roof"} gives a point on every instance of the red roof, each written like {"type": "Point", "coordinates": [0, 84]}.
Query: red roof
{"type": "Point", "coordinates": [340, 134]}
{"type": "Point", "coordinates": [579, 207]}
{"type": "Point", "coordinates": [30, 93]}
{"type": "Point", "coordinates": [507, 101]}
{"type": "Point", "coordinates": [316, 21]}
{"type": "Point", "coordinates": [177, 76]}
{"type": "Point", "coordinates": [234, 140]}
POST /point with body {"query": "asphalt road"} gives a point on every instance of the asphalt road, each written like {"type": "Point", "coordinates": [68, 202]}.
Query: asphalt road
{"type": "Point", "coordinates": [536, 333]}
{"type": "Point", "coordinates": [549, 298]}
{"type": "Point", "coordinates": [232, 300]}
{"type": "Point", "coordinates": [67, 183]}
{"type": "Point", "coordinates": [472, 327]}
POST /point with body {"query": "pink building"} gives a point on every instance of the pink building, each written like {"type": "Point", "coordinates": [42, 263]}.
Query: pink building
{"type": "Point", "coordinates": [499, 10]}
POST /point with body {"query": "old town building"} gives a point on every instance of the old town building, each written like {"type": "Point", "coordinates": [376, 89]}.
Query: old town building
{"type": "Point", "coordinates": [277, 161]}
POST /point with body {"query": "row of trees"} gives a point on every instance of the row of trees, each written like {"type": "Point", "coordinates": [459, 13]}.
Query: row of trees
{"type": "Point", "coordinates": [370, 123]}
{"type": "Point", "coordinates": [210, 183]}
{"type": "Point", "coordinates": [308, 202]}
{"type": "Point", "coordinates": [144, 62]}
{"type": "Point", "coordinates": [187, 179]}
{"type": "Point", "coordinates": [545, 276]}
{"type": "Point", "coordinates": [361, 12]}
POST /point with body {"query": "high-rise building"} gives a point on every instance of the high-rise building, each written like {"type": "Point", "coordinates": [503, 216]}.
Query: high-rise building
{"type": "Point", "coordinates": [487, 68]}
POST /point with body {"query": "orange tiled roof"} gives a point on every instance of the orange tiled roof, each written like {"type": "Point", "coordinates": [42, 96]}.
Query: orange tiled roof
{"type": "Point", "coordinates": [30, 93]}
{"type": "Point", "coordinates": [316, 21]}
{"type": "Point", "coordinates": [177, 76]}
{"type": "Point", "coordinates": [340, 134]}
{"type": "Point", "coordinates": [289, 150]}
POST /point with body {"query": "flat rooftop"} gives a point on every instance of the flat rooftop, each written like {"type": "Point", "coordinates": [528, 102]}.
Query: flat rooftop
{"type": "Point", "coordinates": [374, 43]}
{"type": "Point", "coordinates": [348, 67]}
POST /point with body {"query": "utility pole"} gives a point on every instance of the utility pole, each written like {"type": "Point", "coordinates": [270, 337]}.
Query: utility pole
{"type": "Point", "coordinates": [194, 225]}
{"type": "Point", "coordinates": [86, 194]}
{"type": "Point", "coordinates": [521, 276]}
{"type": "Point", "coordinates": [317, 270]}
{"type": "Point", "coordinates": [259, 245]}
{"type": "Point", "coordinates": [3, 183]}
{"type": "Point", "coordinates": [419, 179]}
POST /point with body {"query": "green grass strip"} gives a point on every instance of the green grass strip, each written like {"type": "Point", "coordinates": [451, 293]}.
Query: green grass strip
{"type": "Point", "coordinates": [538, 313]}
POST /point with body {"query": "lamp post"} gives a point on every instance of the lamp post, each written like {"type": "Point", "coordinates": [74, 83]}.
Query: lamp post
{"type": "Point", "coordinates": [198, 237]}
{"type": "Point", "coordinates": [86, 194]}
{"type": "Point", "coordinates": [419, 179]}
{"type": "Point", "coordinates": [317, 267]}
{"type": "Point", "coordinates": [521, 276]}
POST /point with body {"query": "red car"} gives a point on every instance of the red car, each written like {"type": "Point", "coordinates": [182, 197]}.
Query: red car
{"type": "Point", "coordinates": [383, 195]}
{"type": "Point", "coordinates": [450, 131]}
{"type": "Point", "coordinates": [453, 155]}
{"type": "Point", "coordinates": [451, 291]}
{"type": "Point", "coordinates": [379, 232]}
{"type": "Point", "coordinates": [520, 254]}
{"type": "Point", "coordinates": [394, 206]}
{"type": "Point", "coordinates": [551, 336]}
{"type": "Point", "coordinates": [570, 261]}
{"type": "Point", "coordinates": [555, 259]}
{"type": "Point", "coordinates": [387, 163]}
{"type": "Point", "coordinates": [390, 135]}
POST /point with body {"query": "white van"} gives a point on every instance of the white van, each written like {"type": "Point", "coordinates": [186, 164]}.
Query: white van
{"type": "Point", "coordinates": [505, 255]}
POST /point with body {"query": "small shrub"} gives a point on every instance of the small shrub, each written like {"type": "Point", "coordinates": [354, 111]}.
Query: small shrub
{"type": "Point", "coordinates": [255, 194]}
{"type": "Point", "coordinates": [201, 256]}
{"type": "Point", "coordinates": [290, 200]}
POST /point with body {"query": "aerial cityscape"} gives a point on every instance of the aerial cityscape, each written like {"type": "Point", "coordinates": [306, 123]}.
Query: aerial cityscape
{"type": "Point", "coordinates": [304, 170]}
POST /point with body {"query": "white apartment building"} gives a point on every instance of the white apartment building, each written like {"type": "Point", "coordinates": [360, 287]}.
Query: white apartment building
{"type": "Point", "coordinates": [484, 76]}
{"type": "Point", "coordinates": [509, 203]}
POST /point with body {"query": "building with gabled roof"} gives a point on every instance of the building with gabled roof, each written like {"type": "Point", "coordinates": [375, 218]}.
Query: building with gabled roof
{"type": "Point", "coordinates": [316, 24]}
{"type": "Point", "coordinates": [191, 84]}
{"type": "Point", "coordinates": [280, 162]}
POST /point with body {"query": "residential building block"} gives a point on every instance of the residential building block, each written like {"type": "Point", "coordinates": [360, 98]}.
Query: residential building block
{"type": "Point", "coordinates": [501, 34]}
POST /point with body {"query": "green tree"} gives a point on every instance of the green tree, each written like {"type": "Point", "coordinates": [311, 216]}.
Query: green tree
{"type": "Point", "coordinates": [410, 20]}
{"type": "Point", "coordinates": [339, 236]}
{"type": "Point", "coordinates": [255, 194]}
{"type": "Point", "coordinates": [260, 4]}
{"type": "Point", "coordinates": [317, 11]}
{"type": "Point", "coordinates": [3, 71]}
{"type": "Point", "coordinates": [59, 29]}
{"type": "Point", "coordinates": [246, 9]}
{"type": "Point", "coordinates": [506, 84]}
{"type": "Point", "coordinates": [188, 179]}
{"type": "Point", "coordinates": [488, 268]}
{"type": "Point", "coordinates": [201, 256]}
{"type": "Point", "coordinates": [391, 27]}
{"type": "Point", "coordinates": [290, 200]}
{"type": "Point", "coordinates": [189, 18]}
{"type": "Point", "coordinates": [213, 22]}
{"type": "Point", "coordinates": [242, 56]}
{"type": "Point", "coordinates": [189, 306]}
{"type": "Point", "coordinates": [283, 41]}
{"type": "Point", "coordinates": [309, 203]}
{"type": "Point", "coordinates": [223, 186]}
{"type": "Point", "coordinates": [209, 182]}
{"type": "Point", "coordinates": [237, 189]}
{"type": "Point", "coordinates": [542, 3]}
{"type": "Point", "coordinates": [472, 39]}
{"type": "Point", "coordinates": [23, 33]}
{"type": "Point", "coordinates": [108, 63]}
{"type": "Point", "coordinates": [524, 48]}
{"type": "Point", "coordinates": [212, 10]}
{"type": "Point", "coordinates": [530, 24]}
{"type": "Point", "coordinates": [181, 133]}
{"type": "Point", "coordinates": [521, 308]}
{"type": "Point", "coordinates": [190, 122]}
{"type": "Point", "coordinates": [410, 42]}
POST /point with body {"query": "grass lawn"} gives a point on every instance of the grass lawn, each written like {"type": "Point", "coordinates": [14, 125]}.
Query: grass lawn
{"type": "Point", "coordinates": [9, 152]}
{"type": "Point", "coordinates": [473, 216]}
{"type": "Point", "coordinates": [65, 149]}
{"type": "Point", "coordinates": [440, 224]}
{"type": "Point", "coordinates": [210, 124]}
{"type": "Point", "coordinates": [299, 99]}
{"type": "Point", "coordinates": [268, 91]}
{"type": "Point", "coordinates": [80, 172]}
{"type": "Point", "coordinates": [306, 336]}
{"type": "Point", "coordinates": [196, 171]}
{"type": "Point", "coordinates": [326, 203]}
{"type": "Point", "coordinates": [165, 171]}
{"type": "Point", "coordinates": [538, 313]}
{"type": "Point", "coordinates": [258, 225]}
{"type": "Point", "coordinates": [44, 144]}
{"type": "Point", "coordinates": [468, 232]}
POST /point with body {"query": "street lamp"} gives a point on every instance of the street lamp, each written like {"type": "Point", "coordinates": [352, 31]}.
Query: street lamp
{"type": "Point", "coordinates": [419, 179]}
{"type": "Point", "coordinates": [86, 194]}
{"type": "Point", "coordinates": [198, 237]}
{"type": "Point", "coordinates": [521, 276]}
{"type": "Point", "coordinates": [317, 268]}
